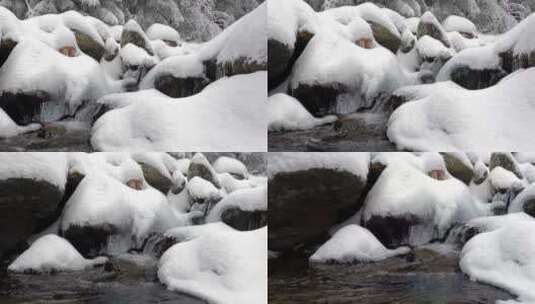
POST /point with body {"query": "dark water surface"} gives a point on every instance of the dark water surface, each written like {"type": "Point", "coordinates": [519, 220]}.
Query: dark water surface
{"type": "Point", "coordinates": [430, 278]}
{"type": "Point", "coordinates": [361, 132]}
{"type": "Point", "coordinates": [126, 283]}
{"type": "Point", "coordinates": [54, 136]}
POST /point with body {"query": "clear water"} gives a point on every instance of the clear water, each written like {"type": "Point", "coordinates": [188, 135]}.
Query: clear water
{"type": "Point", "coordinates": [429, 278]}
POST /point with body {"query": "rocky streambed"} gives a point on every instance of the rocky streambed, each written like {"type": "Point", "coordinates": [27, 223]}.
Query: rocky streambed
{"type": "Point", "coordinates": [424, 276]}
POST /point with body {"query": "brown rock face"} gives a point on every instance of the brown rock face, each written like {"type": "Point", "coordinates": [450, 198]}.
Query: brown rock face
{"type": "Point", "coordinates": [303, 205]}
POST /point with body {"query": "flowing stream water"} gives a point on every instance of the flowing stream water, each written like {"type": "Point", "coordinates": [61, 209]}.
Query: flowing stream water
{"type": "Point", "coordinates": [425, 277]}
{"type": "Point", "coordinates": [54, 136]}
{"type": "Point", "coordinates": [130, 280]}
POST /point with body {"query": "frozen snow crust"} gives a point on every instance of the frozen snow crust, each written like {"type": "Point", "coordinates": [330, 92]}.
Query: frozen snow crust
{"type": "Point", "coordinates": [58, 67]}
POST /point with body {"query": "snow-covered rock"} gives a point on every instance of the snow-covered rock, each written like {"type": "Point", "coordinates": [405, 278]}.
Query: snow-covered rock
{"type": "Point", "coordinates": [163, 32]}
{"type": "Point", "coordinates": [503, 258]}
{"type": "Point", "coordinates": [56, 87]}
{"type": "Point", "coordinates": [231, 165]}
{"type": "Point", "coordinates": [451, 118]}
{"type": "Point", "coordinates": [430, 26]}
{"type": "Point", "coordinates": [244, 209]}
{"type": "Point", "coordinates": [412, 205]}
{"type": "Point", "coordinates": [228, 115]}
{"type": "Point", "coordinates": [218, 265]}
{"type": "Point", "coordinates": [287, 113]}
{"type": "Point", "coordinates": [333, 75]}
{"type": "Point", "coordinates": [353, 243]}
{"type": "Point", "coordinates": [104, 214]}
{"type": "Point", "coordinates": [460, 24]}
{"type": "Point", "coordinates": [52, 253]}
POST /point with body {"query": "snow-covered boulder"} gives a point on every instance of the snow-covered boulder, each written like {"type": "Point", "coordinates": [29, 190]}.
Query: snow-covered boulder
{"type": "Point", "coordinates": [307, 190]}
{"type": "Point", "coordinates": [289, 31]}
{"type": "Point", "coordinates": [430, 26]}
{"type": "Point", "coordinates": [415, 202]}
{"type": "Point", "coordinates": [104, 214]}
{"type": "Point", "coordinates": [525, 201]}
{"type": "Point", "coordinates": [459, 166]}
{"type": "Point", "coordinates": [32, 186]}
{"type": "Point", "coordinates": [165, 33]}
{"type": "Point", "coordinates": [157, 176]}
{"type": "Point", "coordinates": [287, 113]}
{"type": "Point", "coordinates": [37, 90]}
{"type": "Point", "coordinates": [201, 167]}
{"type": "Point", "coordinates": [460, 24]}
{"type": "Point", "coordinates": [203, 195]}
{"type": "Point", "coordinates": [244, 209]}
{"type": "Point", "coordinates": [240, 48]}
{"type": "Point", "coordinates": [382, 22]}
{"type": "Point", "coordinates": [177, 76]}
{"type": "Point", "coordinates": [503, 257]}
{"type": "Point", "coordinates": [230, 165]}
{"type": "Point", "coordinates": [219, 265]}
{"type": "Point", "coordinates": [228, 115]}
{"type": "Point", "coordinates": [447, 117]}
{"type": "Point", "coordinates": [51, 253]}
{"type": "Point", "coordinates": [506, 161]}
{"type": "Point", "coordinates": [333, 75]}
{"type": "Point", "coordinates": [133, 33]}
{"type": "Point", "coordinates": [354, 243]}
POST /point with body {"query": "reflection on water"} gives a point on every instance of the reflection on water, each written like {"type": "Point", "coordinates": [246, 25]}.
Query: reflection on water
{"type": "Point", "coordinates": [124, 283]}
{"type": "Point", "coordinates": [423, 278]}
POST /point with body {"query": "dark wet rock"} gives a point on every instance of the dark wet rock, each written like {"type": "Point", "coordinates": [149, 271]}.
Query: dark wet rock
{"type": "Point", "coordinates": [506, 161]}
{"type": "Point", "coordinates": [506, 59]}
{"type": "Point", "coordinates": [88, 45]}
{"type": "Point", "coordinates": [199, 166]}
{"type": "Point", "coordinates": [6, 46]}
{"type": "Point", "coordinates": [457, 168]}
{"type": "Point", "coordinates": [392, 231]}
{"type": "Point", "coordinates": [210, 69]}
{"type": "Point", "coordinates": [476, 79]}
{"type": "Point", "coordinates": [523, 60]}
{"type": "Point", "coordinates": [529, 207]}
{"type": "Point", "coordinates": [156, 244]}
{"type": "Point", "coordinates": [385, 37]}
{"type": "Point", "coordinates": [155, 178]}
{"type": "Point", "coordinates": [303, 205]}
{"type": "Point", "coordinates": [239, 66]}
{"type": "Point", "coordinates": [90, 241]}
{"type": "Point", "coordinates": [319, 100]}
{"type": "Point", "coordinates": [24, 107]}
{"type": "Point", "coordinates": [394, 102]}
{"type": "Point", "coordinates": [281, 57]}
{"type": "Point", "coordinates": [26, 207]}
{"type": "Point", "coordinates": [244, 220]}
{"type": "Point", "coordinates": [180, 87]}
